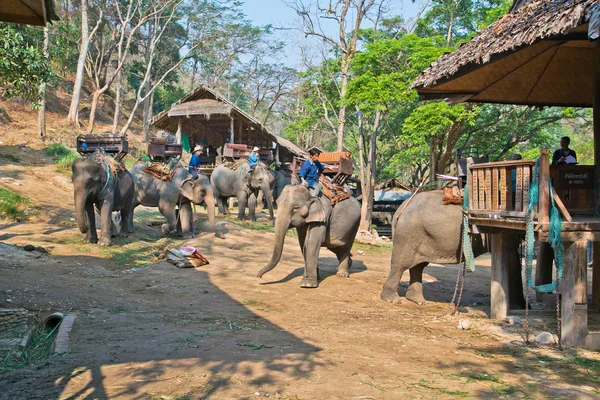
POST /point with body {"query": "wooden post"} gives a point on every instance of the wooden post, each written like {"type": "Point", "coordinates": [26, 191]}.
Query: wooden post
{"type": "Point", "coordinates": [499, 281]}
{"type": "Point", "coordinates": [573, 289]}
{"type": "Point", "coordinates": [240, 132]}
{"type": "Point", "coordinates": [596, 277]}
{"type": "Point", "coordinates": [179, 133]}
{"type": "Point", "coordinates": [543, 269]}
{"type": "Point", "coordinates": [231, 131]}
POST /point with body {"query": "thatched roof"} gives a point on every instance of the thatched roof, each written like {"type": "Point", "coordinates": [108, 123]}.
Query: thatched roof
{"type": "Point", "coordinates": [536, 34]}
{"type": "Point", "coordinates": [207, 114]}
{"type": "Point", "coordinates": [30, 12]}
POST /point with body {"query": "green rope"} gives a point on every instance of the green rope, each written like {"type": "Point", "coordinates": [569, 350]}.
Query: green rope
{"type": "Point", "coordinates": [467, 247]}
{"type": "Point", "coordinates": [553, 234]}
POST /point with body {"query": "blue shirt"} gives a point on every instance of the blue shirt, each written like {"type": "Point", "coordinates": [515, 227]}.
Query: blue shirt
{"type": "Point", "coordinates": [310, 171]}
{"type": "Point", "coordinates": [253, 159]}
{"type": "Point", "coordinates": [194, 163]}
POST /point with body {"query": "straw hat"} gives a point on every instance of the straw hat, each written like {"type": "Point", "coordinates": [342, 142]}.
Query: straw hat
{"type": "Point", "coordinates": [197, 148]}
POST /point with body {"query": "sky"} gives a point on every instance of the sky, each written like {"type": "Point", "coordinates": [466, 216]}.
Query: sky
{"type": "Point", "coordinates": [276, 13]}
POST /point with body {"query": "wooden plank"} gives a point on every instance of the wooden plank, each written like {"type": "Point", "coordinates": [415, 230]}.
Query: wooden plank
{"type": "Point", "coordinates": [474, 190]}
{"type": "Point", "coordinates": [574, 294]}
{"type": "Point", "coordinates": [543, 187]}
{"type": "Point", "coordinates": [495, 176]}
{"type": "Point", "coordinates": [543, 269]}
{"type": "Point", "coordinates": [596, 277]}
{"type": "Point", "coordinates": [526, 175]}
{"type": "Point", "coordinates": [519, 191]}
{"type": "Point", "coordinates": [231, 131]}
{"type": "Point", "coordinates": [498, 223]}
{"type": "Point", "coordinates": [499, 279]}
{"type": "Point", "coordinates": [481, 180]}
{"type": "Point", "coordinates": [563, 210]}
{"type": "Point", "coordinates": [495, 164]}
{"type": "Point", "coordinates": [488, 189]}
{"type": "Point", "coordinates": [503, 189]}
{"type": "Point", "coordinates": [596, 116]}
{"type": "Point", "coordinates": [510, 185]}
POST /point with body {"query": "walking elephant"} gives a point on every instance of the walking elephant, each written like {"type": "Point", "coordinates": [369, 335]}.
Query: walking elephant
{"type": "Point", "coordinates": [318, 225]}
{"type": "Point", "coordinates": [428, 231]}
{"type": "Point", "coordinates": [179, 192]}
{"type": "Point", "coordinates": [100, 181]}
{"type": "Point", "coordinates": [244, 184]}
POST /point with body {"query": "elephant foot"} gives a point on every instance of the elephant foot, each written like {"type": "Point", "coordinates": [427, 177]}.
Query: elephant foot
{"type": "Point", "coordinates": [104, 242]}
{"type": "Point", "coordinates": [165, 230]}
{"type": "Point", "coordinates": [391, 297]}
{"type": "Point", "coordinates": [220, 235]}
{"type": "Point", "coordinates": [188, 235]}
{"type": "Point", "coordinates": [91, 240]}
{"type": "Point", "coordinates": [415, 293]}
{"type": "Point", "coordinates": [309, 283]}
{"type": "Point", "coordinates": [343, 273]}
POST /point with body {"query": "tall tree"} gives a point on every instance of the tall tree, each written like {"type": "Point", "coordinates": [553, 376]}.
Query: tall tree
{"type": "Point", "coordinates": [42, 110]}
{"type": "Point", "coordinates": [345, 42]}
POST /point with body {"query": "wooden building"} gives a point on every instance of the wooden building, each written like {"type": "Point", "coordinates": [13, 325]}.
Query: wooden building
{"type": "Point", "coordinates": [30, 12]}
{"type": "Point", "coordinates": [543, 53]}
{"type": "Point", "coordinates": [206, 117]}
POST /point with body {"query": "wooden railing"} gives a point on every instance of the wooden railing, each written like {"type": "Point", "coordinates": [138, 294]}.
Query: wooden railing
{"type": "Point", "coordinates": [500, 187]}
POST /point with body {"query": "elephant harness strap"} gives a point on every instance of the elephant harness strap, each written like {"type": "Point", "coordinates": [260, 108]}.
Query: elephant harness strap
{"type": "Point", "coordinates": [112, 166]}
{"type": "Point", "coordinates": [335, 193]}
{"type": "Point", "coordinates": [452, 195]}
{"type": "Point", "coordinates": [162, 171]}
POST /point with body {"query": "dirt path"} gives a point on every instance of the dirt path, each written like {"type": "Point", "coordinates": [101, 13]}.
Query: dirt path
{"type": "Point", "coordinates": [146, 329]}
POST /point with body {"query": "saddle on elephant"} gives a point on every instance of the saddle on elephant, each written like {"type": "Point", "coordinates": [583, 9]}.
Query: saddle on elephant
{"type": "Point", "coordinates": [452, 195]}
{"type": "Point", "coordinates": [103, 158]}
{"type": "Point", "coordinates": [334, 192]}
{"type": "Point", "coordinates": [162, 171]}
{"type": "Point", "coordinates": [235, 165]}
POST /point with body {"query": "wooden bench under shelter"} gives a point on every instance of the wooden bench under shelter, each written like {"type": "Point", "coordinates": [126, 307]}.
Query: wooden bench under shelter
{"type": "Point", "coordinates": [206, 117]}
{"type": "Point", "coordinates": [543, 53]}
{"type": "Point", "coordinates": [338, 165]}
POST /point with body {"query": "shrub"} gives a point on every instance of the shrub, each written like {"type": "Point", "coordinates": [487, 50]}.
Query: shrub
{"type": "Point", "coordinates": [63, 156]}
{"type": "Point", "coordinates": [12, 205]}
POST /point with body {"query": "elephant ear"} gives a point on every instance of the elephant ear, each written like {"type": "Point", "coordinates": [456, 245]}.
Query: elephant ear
{"type": "Point", "coordinates": [187, 189]}
{"type": "Point", "coordinates": [316, 211]}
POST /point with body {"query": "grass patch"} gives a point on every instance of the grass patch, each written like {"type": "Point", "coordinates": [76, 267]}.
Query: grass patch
{"type": "Point", "coordinates": [253, 225]}
{"type": "Point", "coordinates": [62, 156]}
{"type": "Point", "coordinates": [13, 206]}
{"type": "Point", "coordinates": [372, 249]}
{"type": "Point", "coordinates": [482, 377]}
{"type": "Point", "coordinates": [10, 157]}
{"type": "Point", "coordinates": [38, 349]}
{"type": "Point", "coordinates": [255, 346]}
{"type": "Point", "coordinates": [586, 363]}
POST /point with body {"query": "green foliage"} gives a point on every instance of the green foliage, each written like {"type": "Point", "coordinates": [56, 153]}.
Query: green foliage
{"type": "Point", "coordinates": [23, 67]}
{"type": "Point", "coordinates": [38, 349]}
{"type": "Point", "coordinates": [165, 96]}
{"type": "Point", "coordinates": [62, 156]}
{"type": "Point", "coordinates": [12, 205]}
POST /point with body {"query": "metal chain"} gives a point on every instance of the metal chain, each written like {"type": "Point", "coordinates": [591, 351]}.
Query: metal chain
{"type": "Point", "coordinates": [558, 316]}
{"type": "Point", "coordinates": [462, 285]}
{"type": "Point", "coordinates": [526, 292]}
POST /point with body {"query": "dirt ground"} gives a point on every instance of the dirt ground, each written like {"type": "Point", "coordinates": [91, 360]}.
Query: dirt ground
{"type": "Point", "coordinates": [148, 330]}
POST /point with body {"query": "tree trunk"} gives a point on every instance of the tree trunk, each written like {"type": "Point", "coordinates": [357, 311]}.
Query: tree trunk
{"type": "Point", "coordinates": [342, 111]}
{"type": "Point", "coordinates": [42, 110]}
{"type": "Point", "coordinates": [366, 211]}
{"type": "Point", "coordinates": [95, 99]}
{"type": "Point", "coordinates": [117, 102]}
{"type": "Point", "coordinates": [73, 116]}
{"type": "Point", "coordinates": [148, 85]}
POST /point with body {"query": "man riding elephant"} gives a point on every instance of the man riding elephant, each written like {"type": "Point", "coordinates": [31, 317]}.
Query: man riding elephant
{"type": "Point", "coordinates": [311, 171]}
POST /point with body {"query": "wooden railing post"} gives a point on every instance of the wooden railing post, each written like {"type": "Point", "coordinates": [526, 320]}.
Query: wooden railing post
{"type": "Point", "coordinates": [543, 270]}
{"type": "Point", "coordinates": [544, 189]}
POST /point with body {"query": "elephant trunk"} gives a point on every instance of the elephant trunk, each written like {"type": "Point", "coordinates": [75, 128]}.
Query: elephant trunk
{"type": "Point", "coordinates": [281, 226]}
{"type": "Point", "coordinates": [209, 199]}
{"type": "Point", "coordinates": [269, 196]}
{"type": "Point", "coordinates": [80, 212]}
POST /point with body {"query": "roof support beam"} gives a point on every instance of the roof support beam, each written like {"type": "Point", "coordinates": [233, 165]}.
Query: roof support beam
{"type": "Point", "coordinates": [596, 114]}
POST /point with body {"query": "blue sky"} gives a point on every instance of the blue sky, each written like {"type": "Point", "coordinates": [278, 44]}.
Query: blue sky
{"type": "Point", "coordinates": [276, 13]}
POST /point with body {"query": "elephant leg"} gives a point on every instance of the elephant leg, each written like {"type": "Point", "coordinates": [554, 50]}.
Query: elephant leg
{"type": "Point", "coordinates": [185, 217]}
{"type": "Point", "coordinates": [345, 262]}
{"type": "Point", "coordinates": [114, 231]}
{"type": "Point", "coordinates": [242, 197]}
{"type": "Point", "coordinates": [252, 206]}
{"type": "Point", "coordinates": [92, 234]}
{"type": "Point", "coordinates": [168, 210]}
{"type": "Point", "coordinates": [301, 237]}
{"type": "Point", "coordinates": [106, 223]}
{"type": "Point", "coordinates": [390, 287]}
{"type": "Point", "coordinates": [312, 245]}
{"type": "Point", "coordinates": [129, 214]}
{"type": "Point", "coordinates": [415, 289]}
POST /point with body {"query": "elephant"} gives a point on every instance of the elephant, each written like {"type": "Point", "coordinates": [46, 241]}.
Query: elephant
{"type": "Point", "coordinates": [98, 181]}
{"type": "Point", "coordinates": [244, 184]}
{"type": "Point", "coordinates": [318, 225]}
{"type": "Point", "coordinates": [279, 179]}
{"type": "Point", "coordinates": [428, 231]}
{"type": "Point", "coordinates": [180, 192]}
